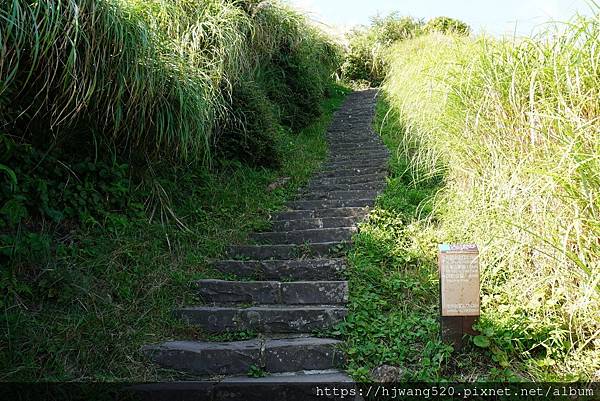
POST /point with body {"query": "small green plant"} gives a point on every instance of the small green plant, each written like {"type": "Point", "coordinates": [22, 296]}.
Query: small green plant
{"type": "Point", "coordinates": [255, 371]}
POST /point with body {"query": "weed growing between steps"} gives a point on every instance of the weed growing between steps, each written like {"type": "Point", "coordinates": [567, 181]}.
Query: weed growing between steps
{"type": "Point", "coordinates": [393, 308]}
{"type": "Point", "coordinates": [111, 286]}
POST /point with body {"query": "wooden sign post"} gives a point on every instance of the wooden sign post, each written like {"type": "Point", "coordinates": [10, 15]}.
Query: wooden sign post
{"type": "Point", "coordinates": [459, 292]}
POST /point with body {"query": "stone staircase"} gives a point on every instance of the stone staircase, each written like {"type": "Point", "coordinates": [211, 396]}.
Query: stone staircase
{"type": "Point", "coordinates": [292, 278]}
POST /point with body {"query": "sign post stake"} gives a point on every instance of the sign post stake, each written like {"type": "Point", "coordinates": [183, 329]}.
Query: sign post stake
{"type": "Point", "coordinates": [459, 292]}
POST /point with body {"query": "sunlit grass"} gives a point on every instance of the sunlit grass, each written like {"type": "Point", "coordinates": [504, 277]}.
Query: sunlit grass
{"type": "Point", "coordinates": [153, 76]}
{"type": "Point", "coordinates": [513, 126]}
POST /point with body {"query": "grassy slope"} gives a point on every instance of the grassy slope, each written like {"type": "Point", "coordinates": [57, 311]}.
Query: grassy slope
{"type": "Point", "coordinates": [509, 131]}
{"type": "Point", "coordinates": [394, 282]}
{"type": "Point", "coordinates": [127, 278]}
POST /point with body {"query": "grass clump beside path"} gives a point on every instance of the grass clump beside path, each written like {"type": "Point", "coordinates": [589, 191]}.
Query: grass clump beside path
{"type": "Point", "coordinates": [171, 79]}
{"type": "Point", "coordinates": [509, 132]}
{"type": "Point", "coordinates": [111, 287]}
{"type": "Point", "coordinates": [137, 140]}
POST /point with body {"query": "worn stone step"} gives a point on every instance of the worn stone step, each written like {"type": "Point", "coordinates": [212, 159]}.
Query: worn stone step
{"type": "Point", "coordinates": [329, 204]}
{"type": "Point", "coordinates": [365, 148]}
{"type": "Point", "coordinates": [301, 386]}
{"type": "Point", "coordinates": [342, 195]}
{"type": "Point", "coordinates": [356, 163]}
{"type": "Point", "coordinates": [349, 142]}
{"type": "Point", "coordinates": [358, 155]}
{"type": "Point", "coordinates": [321, 213]}
{"type": "Point", "coordinates": [274, 292]}
{"type": "Point", "coordinates": [293, 215]}
{"type": "Point", "coordinates": [263, 319]}
{"type": "Point", "coordinates": [361, 186]}
{"type": "Point", "coordinates": [318, 376]}
{"type": "Point", "coordinates": [350, 172]}
{"type": "Point", "coordinates": [345, 138]}
{"type": "Point", "coordinates": [307, 269]}
{"type": "Point", "coordinates": [317, 235]}
{"type": "Point", "coordinates": [288, 251]}
{"type": "Point", "coordinates": [308, 224]}
{"type": "Point", "coordinates": [230, 358]}
{"type": "Point", "coordinates": [349, 180]}
{"type": "Point", "coordinates": [288, 386]}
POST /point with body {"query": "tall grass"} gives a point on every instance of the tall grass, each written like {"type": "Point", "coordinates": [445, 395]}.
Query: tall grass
{"type": "Point", "coordinates": [513, 127]}
{"type": "Point", "coordinates": [153, 76]}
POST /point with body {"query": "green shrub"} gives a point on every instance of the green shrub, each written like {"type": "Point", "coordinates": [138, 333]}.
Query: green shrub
{"type": "Point", "coordinates": [447, 25]}
{"type": "Point", "coordinates": [365, 59]}
{"type": "Point", "coordinates": [249, 136]}
{"type": "Point", "coordinates": [513, 127]}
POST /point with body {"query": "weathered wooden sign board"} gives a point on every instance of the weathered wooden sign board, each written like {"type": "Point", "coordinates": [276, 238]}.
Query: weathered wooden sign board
{"type": "Point", "coordinates": [459, 291]}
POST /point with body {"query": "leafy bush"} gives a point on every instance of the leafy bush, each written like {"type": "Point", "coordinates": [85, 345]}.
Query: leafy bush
{"type": "Point", "coordinates": [365, 59]}
{"type": "Point", "coordinates": [447, 25]}
{"type": "Point", "coordinates": [513, 127]}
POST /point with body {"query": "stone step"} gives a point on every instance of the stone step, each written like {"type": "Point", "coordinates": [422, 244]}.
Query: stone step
{"type": "Point", "coordinates": [309, 377]}
{"type": "Point", "coordinates": [321, 213]}
{"type": "Point", "coordinates": [349, 180]}
{"type": "Point", "coordinates": [354, 145]}
{"type": "Point", "coordinates": [299, 237]}
{"type": "Point", "coordinates": [353, 139]}
{"type": "Point", "coordinates": [295, 251]}
{"type": "Point", "coordinates": [238, 357]}
{"type": "Point", "coordinates": [264, 318]}
{"type": "Point", "coordinates": [288, 386]}
{"type": "Point", "coordinates": [340, 148]}
{"type": "Point", "coordinates": [357, 124]}
{"type": "Point", "coordinates": [308, 224]}
{"type": "Point", "coordinates": [359, 152]}
{"type": "Point", "coordinates": [342, 195]}
{"type": "Point", "coordinates": [361, 186]}
{"type": "Point", "coordinates": [330, 204]}
{"type": "Point", "coordinates": [350, 172]}
{"type": "Point", "coordinates": [345, 139]}
{"type": "Point", "coordinates": [274, 292]}
{"type": "Point", "coordinates": [358, 155]}
{"type": "Point", "coordinates": [356, 163]}
{"type": "Point", "coordinates": [307, 269]}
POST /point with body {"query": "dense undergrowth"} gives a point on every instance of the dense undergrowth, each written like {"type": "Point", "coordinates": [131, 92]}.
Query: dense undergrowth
{"type": "Point", "coordinates": [159, 78]}
{"type": "Point", "coordinates": [366, 62]}
{"type": "Point", "coordinates": [510, 128]}
{"type": "Point", "coordinates": [137, 139]}
{"type": "Point", "coordinates": [111, 285]}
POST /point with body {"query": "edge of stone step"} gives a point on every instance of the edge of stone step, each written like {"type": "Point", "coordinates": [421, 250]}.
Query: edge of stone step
{"type": "Point", "coordinates": [289, 386]}
{"type": "Point", "coordinates": [291, 319]}
{"type": "Point", "coordinates": [273, 292]}
{"type": "Point", "coordinates": [308, 224]}
{"type": "Point", "coordinates": [288, 251]}
{"type": "Point", "coordinates": [361, 186]}
{"type": "Point", "coordinates": [339, 195]}
{"type": "Point", "coordinates": [309, 236]}
{"type": "Point", "coordinates": [321, 213]}
{"type": "Point", "coordinates": [337, 172]}
{"type": "Point", "coordinates": [237, 357]}
{"type": "Point", "coordinates": [348, 180]}
{"type": "Point", "coordinates": [330, 204]}
{"type": "Point", "coordinates": [307, 269]}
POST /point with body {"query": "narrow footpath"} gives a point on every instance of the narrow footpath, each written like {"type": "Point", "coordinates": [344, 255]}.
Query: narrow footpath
{"type": "Point", "coordinates": [291, 280]}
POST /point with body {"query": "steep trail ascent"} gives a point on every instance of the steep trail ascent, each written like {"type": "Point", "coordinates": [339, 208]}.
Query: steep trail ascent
{"type": "Point", "coordinates": [291, 280]}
